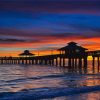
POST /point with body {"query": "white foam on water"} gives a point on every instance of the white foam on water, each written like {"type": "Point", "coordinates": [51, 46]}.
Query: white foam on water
{"type": "Point", "coordinates": [43, 93]}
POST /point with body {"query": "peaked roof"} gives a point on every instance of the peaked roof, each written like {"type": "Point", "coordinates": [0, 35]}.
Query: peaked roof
{"type": "Point", "coordinates": [72, 45]}
{"type": "Point", "coordinates": [26, 53]}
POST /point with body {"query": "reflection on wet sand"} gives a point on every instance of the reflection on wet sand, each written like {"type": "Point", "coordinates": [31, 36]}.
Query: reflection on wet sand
{"type": "Point", "coordinates": [85, 96]}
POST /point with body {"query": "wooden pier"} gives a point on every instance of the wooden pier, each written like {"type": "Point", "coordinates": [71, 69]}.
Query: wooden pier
{"type": "Point", "coordinates": [73, 54]}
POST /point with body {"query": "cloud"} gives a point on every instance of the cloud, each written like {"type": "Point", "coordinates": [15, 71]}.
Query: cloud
{"type": "Point", "coordinates": [29, 36]}
{"type": "Point", "coordinates": [25, 35]}
{"type": "Point", "coordinates": [40, 41]}
{"type": "Point", "coordinates": [11, 40]}
{"type": "Point", "coordinates": [51, 5]}
{"type": "Point", "coordinates": [48, 24]}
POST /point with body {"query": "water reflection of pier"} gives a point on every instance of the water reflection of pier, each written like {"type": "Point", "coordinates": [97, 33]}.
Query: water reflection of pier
{"type": "Point", "coordinates": [74, 54]}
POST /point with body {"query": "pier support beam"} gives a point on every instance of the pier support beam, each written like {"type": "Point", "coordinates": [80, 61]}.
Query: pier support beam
{"type": "Point", "coordinates": [75, 62]}
{"type": "Point", "coordinates": [69, 62]}
{"type": "Point", "coordinates": [56, 62]}
{"type": "Point", "coordinates": [63, 62]}
{"type": "Point", "coordinates": [80, 62]}
{"type": "Point", "coordinates": [60, 61]}
{"type": "Point", "coordinates": [98, 61]}
{"type": "Point", "coordinates": [85, 62]}
{"type": "Point", "coordinates": [93, 62]}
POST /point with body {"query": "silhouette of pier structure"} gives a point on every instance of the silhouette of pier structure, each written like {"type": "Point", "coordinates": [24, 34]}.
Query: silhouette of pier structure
{"type": "Point", "coordinates": [95, 56]}
{"type": "Point", "coordinates": [73, 54]}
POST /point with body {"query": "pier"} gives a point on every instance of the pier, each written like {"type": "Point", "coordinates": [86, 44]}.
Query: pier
{"type": "Point", "coordinates": [73, 54]}
{"type": "Point", "coordinates": [95, 56]}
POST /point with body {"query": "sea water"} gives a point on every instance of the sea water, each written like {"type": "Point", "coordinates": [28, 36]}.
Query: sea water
{"type": "Point", "coordinates": [34, 82]}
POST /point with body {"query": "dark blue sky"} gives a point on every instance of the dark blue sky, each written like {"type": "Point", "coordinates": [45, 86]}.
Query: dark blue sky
{"type": "Point", "coordinates": [38, 23]}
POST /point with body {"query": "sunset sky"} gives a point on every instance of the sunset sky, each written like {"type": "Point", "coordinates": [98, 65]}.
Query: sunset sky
{"type": "Point", "coordinates": [45, 25]}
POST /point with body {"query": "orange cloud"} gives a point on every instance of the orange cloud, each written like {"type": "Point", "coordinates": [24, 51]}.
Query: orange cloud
{"type": "Point", "coordinates": [44, 49]}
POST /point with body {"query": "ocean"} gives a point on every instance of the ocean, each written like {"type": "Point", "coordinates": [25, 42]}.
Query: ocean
{"type": "Point", "coordinates": [40, 82]}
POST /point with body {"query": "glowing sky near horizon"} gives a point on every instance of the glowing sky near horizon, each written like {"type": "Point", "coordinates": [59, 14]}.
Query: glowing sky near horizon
{"type": "Point", "coordinates": [44, 25]}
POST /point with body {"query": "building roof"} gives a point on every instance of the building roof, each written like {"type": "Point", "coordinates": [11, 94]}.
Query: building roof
{"type": "Point", "coordinates": [26, 53]}
{"type": "Point", "coordinates": [72, 43]}
{"type": "Point", "coordinates": [71, 46]}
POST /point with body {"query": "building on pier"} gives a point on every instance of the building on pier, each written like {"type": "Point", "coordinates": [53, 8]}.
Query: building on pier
{"type": "Point", "coordinates": [72, 49]}
{"type": "Point", "coordinates": [26, 53]}
{"type": "Point", "coordinates": [74, 53]}
{"type": "Point", "coordinates": [26, 57]}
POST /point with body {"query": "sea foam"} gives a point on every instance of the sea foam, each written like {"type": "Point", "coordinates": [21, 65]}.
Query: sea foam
{"type": "Point", "coordinates": [43, 93]}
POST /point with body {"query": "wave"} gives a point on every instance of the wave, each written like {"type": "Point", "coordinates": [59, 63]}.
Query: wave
{"type": "Point", "coordinates": [64, 76]}
{"type": "Point", "coordinates": [35, 78]}
{"type": "Point", "coordinates": [46, 93]}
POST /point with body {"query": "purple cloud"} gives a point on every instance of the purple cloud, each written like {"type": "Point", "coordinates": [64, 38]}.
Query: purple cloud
{"type": "Point", "coordinates": [90, 6]}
